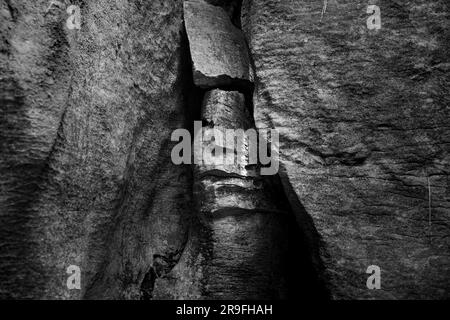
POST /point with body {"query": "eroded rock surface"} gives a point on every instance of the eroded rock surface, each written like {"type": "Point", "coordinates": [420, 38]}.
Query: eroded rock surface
{"type": "Point", "coordinates": [86, 176]}
{"type": "Point", "coordinates": [363, 117]}
{"type": "Point", "coordinates": [238, 247]}
{"type": "Point", "coordinates": [86, 118]}
{"type": "Point", "coordinates": [226, 109]}
{"type": "Point", "coordinates": [218, 49]}
{"type": "Point", "coordinates": [222, 111]}
{"type": "Point", "coordinates": [232, 7]}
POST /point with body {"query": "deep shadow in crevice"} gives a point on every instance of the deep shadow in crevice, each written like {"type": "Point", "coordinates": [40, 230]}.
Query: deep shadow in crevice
{"type": "Point", "coordinates": [23, 276]}
{"type": "Point", "coordinates": [305, 270]}
{"type": "Point", "coordinates": [148, 285]}
{"type": "Point", "coordinates": [193, 95]}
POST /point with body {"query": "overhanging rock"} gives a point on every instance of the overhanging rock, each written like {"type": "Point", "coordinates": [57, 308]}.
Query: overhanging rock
{"type": "Point", "coordinates": [218, 49]}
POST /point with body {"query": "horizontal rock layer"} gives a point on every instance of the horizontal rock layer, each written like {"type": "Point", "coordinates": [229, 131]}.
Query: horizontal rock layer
{"type": "Point", "coordinates": [243, 243]}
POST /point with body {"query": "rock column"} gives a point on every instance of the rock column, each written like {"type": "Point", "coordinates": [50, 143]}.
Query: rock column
{"type": "Point", "coordinates": [242, 242]}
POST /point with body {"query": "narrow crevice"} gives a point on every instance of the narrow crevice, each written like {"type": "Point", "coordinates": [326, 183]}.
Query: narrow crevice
{"type": "Point", "coordinates": [148, 284]}
{"type": "Point", "coordinates": [294, 269]}
{"type": "Point", "coordinates": [305, 269]}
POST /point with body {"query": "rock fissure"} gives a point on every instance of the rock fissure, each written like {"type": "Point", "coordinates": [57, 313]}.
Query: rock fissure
{"type": "Point", "coordinates": [245, 243]}
{"type": "Point", "coordinates": [87, 182]}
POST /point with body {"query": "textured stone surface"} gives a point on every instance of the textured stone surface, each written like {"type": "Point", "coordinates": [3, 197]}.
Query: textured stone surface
{"type": "Point", "coordinates": [86, 176]}
{"type": "Point", "coordinates": [218, 194]}
{"type": "Point", "coordinates": [226, 109]}
{"type": "Point", "coordinates": [364, 129]}
{"type": "Point", "coordinates": [232, 7]}
{"type": "Point", "coordinates": [218, 49]}
{"type": "Point", "coordinates": [241, 246]}
{"type": "Point", "coordinates": [222, 110]}
{"type": "Point", "coordinates": [237, 250]}
{"type": "Point", "coordinates": [228, 157]}
{"type": "Point", "coordinates": [246, 259]}
{"type": "Point", "coordinates": [86, 116]}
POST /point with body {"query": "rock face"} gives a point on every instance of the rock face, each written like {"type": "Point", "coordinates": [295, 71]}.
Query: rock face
{"type": "Point", "coordinates": [243, 238]}
{"type": "Point", "coordinates": [221, 111]}
{"type": "Point", "coordinates": [364, 130]}
{"type": "Point", "coordinates": [85, 124]}
{"type": "Point", "coordinates": [226, 109]}
{"type": "Point", "coordinates": [218, 49]}
{"type": "Point", "coordinates": [241, 244]}
{"type": "Point", "coordinates": [86, 177]}
{"type": "Point", "coordinates": [232, 7]}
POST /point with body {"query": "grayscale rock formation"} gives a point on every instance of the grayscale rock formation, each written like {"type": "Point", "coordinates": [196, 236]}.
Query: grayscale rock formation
{"type": "Point", "coordinates": [86, 119]}
{"type": "Point", "coordinates": [86, 176]}
{"type": "Point", "coordinates": [218, 49]}
{"type": "Point", "coordinates": [363, 117]}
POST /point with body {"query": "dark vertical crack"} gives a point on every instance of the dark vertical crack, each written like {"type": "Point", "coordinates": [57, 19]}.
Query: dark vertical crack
{"type": "Point", "coordinates": [302, 273]}
{"type": "Point", "coordinates": [148, 284]}
{"type": "Point", "coordinates": [305, 269]}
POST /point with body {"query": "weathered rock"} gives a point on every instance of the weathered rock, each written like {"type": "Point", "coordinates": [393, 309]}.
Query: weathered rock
{"type": "Point", "coordinates": [227, 156]}
{"type": "Point", "coordinates": [146, 239]}
{"type": "Point", "coordinates": [232, 7]}
{"type": "Point", "coordinates": [220, 194]}
{"type": "Point", "coordinates": [241, 241]}
{"type": "Point", "coordinates": [247, 257]}
{"type": "Point", "coordinates": [86, 117]}
{"type": "Point", "coordinates": [364, 133]}
{"type": "Point", "coordinates": [86, 176]}
{"type": "Point", "coordinates": [237, 248]}
{"type": "Point", "coordinates": [222, 111]}
{"type": "Point", "coordinates": [232, 256]}
{"type": "Point", "coordinates": [226, 109]}
{"type": "Point", "coordinates": [218, 49]}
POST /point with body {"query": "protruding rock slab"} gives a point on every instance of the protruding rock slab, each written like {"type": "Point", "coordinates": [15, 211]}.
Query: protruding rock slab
{"type": "Point", "coordinates": [218, 49]}
{"type": "Point", "coordinates": [228, 194]}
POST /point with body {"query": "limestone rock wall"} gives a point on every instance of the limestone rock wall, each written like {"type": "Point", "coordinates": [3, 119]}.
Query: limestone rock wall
{"type": "Point", "coordinates": [236, 248]}
{"type": "Point", "coordinates": [364, 118]}
{"type": "Point", "coordinates": [85, 123]}
{"type": "Point", "coordinates": [86, 178]}
{"type": "Point", "coordinates": [244, 242]}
